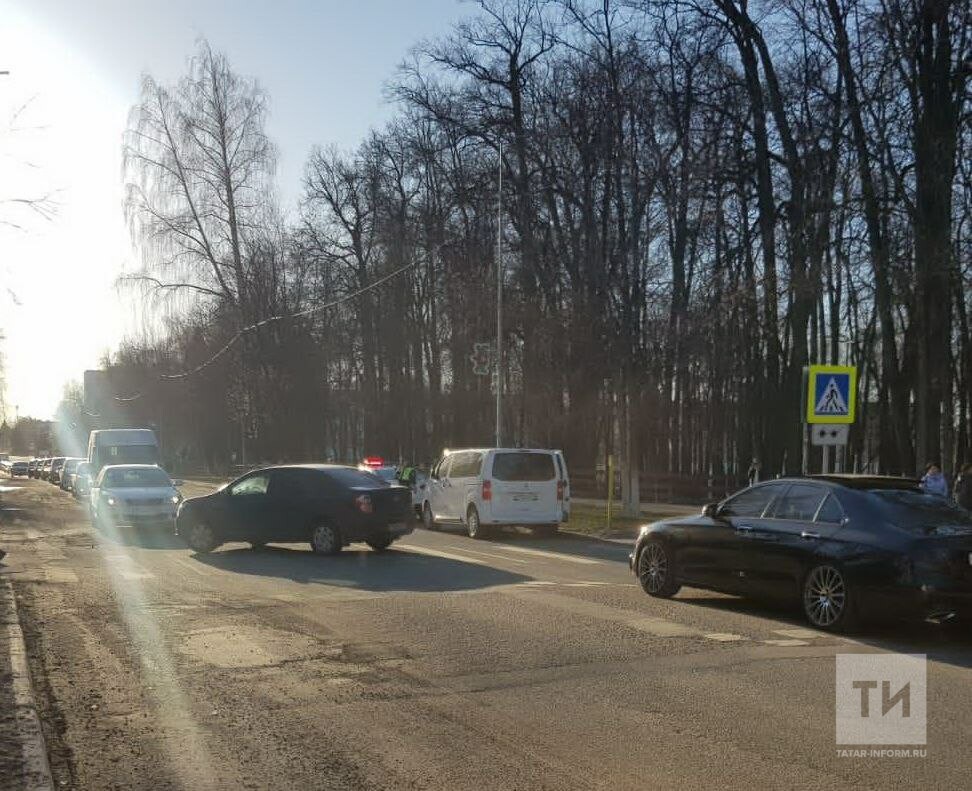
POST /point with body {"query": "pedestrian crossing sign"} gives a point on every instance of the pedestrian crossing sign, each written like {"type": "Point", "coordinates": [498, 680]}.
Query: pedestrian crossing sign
{"type": "Point", "coordinates": [831, 394]}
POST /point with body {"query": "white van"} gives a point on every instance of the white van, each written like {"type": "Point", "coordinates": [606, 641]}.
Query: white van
{"type": "Point", "coordinates": [482, 487]}
{"type": "Point", "coordinates": [121, 446]}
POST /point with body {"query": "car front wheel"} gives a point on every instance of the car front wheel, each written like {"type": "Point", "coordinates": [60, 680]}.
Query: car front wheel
{"type": "Point", "coordinates": [325, 540]}
{"type": "Point", "coordinates": [656, 571]}
{"type": "Point", "coordinates": [201, 538]}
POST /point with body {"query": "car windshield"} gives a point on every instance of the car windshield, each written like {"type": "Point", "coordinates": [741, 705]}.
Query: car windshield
{"type": "Point", "coordinates": [523, 467]}
{"type": "Point", "coordinates": [918, 511]}
{"type": "Point", "coordinates": [132, 477]}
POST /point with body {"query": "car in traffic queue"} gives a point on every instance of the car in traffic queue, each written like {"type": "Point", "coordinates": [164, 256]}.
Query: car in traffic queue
{"type": "Point", "coordinates": [32, 468]}
{"type": "Point", "coordinates": [846, 547]}
{"type": "Point", "coordinates": [133, 494]}
{"type": "Point", "coordinates": [377, 466]}
{"type": "Point", "coordinates": [81, 483]}
{"type": "Point", "coordinates": [485, 488]}
{"type": "Point", "coordinates": [45, 469]}
{"type": "Point", "coordinates": [326, 505]}
{"type": "Point", "coordinates": [67, 473]}
{"type": "Point", "coordinates": [54, 473]}
{"type": "Point", "coordinates": [18, 469]}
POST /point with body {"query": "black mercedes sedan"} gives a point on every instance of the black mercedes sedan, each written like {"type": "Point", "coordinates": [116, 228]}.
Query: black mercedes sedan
{"type": "Point", "coordinates": [327, 505]}
{"type": "Point", "coordinates": [845, 546]}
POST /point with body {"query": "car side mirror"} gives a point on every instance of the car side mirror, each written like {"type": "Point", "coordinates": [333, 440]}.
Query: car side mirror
{"type": "Point", "coordinates": [711, 510]}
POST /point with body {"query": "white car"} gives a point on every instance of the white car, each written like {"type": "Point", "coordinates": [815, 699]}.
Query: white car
{"type": "Point", "coordinates": [485, 487]}
{"type": "Point", "coordinates": [133, 494]}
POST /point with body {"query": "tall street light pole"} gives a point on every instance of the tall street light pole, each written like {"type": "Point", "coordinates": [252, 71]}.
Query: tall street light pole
{"type": "Point", "coordinates": [499, 302]}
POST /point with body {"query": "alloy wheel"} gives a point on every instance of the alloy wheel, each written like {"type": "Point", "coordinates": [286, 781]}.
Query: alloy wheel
{"type": "Point", "coordinates": [824, 596]}
{"type": "Point", "coordinates": [653, 568]}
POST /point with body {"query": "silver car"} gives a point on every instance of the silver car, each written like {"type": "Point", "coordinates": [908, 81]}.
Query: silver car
{"type": "Point", "coordinates": [133, 494]}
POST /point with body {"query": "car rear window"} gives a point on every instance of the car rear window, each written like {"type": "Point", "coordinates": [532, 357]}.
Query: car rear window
{"type": "Point", "coordinates": [523, 467]}
{"type": "Point", "coordinates": [916, 510]}
{"type": "Point", "coordinates": [355, 478]}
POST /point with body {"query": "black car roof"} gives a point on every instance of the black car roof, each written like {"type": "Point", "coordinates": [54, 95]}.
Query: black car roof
{"type": "Point", "coordinates": [307, 466]}
{"type": "Point", "coordinates": [852, 481]}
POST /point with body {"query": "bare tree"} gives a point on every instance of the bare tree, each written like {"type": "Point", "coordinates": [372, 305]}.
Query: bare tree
{"type": "Point", "coordinates": [199, 172]}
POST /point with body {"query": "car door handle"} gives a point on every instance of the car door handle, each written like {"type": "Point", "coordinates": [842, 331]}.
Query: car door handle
{"type": "Point", "coordinates": [809, 534]}
{"type": "Point", "coordinates": [744, 529]}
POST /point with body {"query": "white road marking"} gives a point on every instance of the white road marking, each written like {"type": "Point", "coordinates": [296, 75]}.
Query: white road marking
{"type": "Point", "coordinates": [122, 565]}
{"type": "Point", "coordinates": [798, 634]}
{"type": "Point", "coordinates": [133, 574]}
{"type": "Point", "coordinates": [497, 557]}
{"type": "Point", "coordinates": [59, 574]}
{"type": "Point", "coordinates": [445, 555]}
{"type": "Point", "coordinates": [724, 637]}
{"type": "Point", "coordinates": [785, 643]}
{"type": "Point", "coordinates": [551, 555]}
{"type": "Point", "coordinates": [333, 595]}
{"type": "Point", "coordinates": [188, 565]}
{"type": "Point", "coordinates": [657, 627]}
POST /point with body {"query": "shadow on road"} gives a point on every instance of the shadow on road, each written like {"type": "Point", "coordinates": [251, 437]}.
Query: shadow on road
{"type": "Point", "coordinates": [950, 643]}
{"type": "Point", "coordinates": [393, 570]}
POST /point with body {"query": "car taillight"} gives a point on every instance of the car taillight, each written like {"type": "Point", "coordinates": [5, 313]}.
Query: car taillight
{"type": "Point", "coordinates": [364, 504]}
{"type": "Point", "coordinates": [560, 490]}
{"type": "Point", "coordinates": [487, 491]}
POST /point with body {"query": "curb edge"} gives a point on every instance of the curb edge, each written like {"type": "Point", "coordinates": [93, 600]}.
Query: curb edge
{"type": "Point", "coordinates": [37, 768]}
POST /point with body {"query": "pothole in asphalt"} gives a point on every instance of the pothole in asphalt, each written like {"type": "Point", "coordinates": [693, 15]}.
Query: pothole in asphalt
{"type": "Point", "coordinates": [239, 647]}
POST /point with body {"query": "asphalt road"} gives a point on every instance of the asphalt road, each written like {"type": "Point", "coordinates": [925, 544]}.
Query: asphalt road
{"type": "Point", "coordinates": [443, 663]}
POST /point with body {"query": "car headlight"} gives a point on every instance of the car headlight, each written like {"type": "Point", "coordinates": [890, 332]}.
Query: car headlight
{"type": "Point", "coordinates": [112, 501]}
{"type": "Point", "coordinates": [175, 499]}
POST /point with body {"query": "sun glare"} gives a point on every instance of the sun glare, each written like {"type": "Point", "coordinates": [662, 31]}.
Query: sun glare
{"type": "Point", "coordinates": [62, 132]}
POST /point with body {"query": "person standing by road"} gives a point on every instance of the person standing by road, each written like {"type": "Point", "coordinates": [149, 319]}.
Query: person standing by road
{"type": "Point", "coordinates": [754, 469]}
{"type": "Point", "coordinates": [963, 487]}
{"type": "Point", "coordinates": [934, 481]}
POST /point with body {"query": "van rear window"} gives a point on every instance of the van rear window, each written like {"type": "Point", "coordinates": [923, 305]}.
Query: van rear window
{"type": "Point", "coordinates": [130, 454]}
{"type": "Point", "coordinates": [523, 467]}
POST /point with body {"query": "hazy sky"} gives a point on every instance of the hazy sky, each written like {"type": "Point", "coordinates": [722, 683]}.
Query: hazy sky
{"type": "Point", "coordinates": [74, 74]}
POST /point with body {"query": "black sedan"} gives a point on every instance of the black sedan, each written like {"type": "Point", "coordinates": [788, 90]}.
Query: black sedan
{"type": "Point", "coordinates": [843, 545]}
{"type": "Point", "coordinates": [327, 505]}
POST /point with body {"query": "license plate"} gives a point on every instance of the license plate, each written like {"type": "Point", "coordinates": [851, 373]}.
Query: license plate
{"type": "Point", "coordinates": [524, 498]}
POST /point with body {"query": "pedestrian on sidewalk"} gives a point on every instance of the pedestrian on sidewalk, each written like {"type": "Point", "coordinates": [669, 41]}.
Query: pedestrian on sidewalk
{"type": "Point", "coordinates": [934, 481]}
{"type": "Point", "coordinates": [963, 487]}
